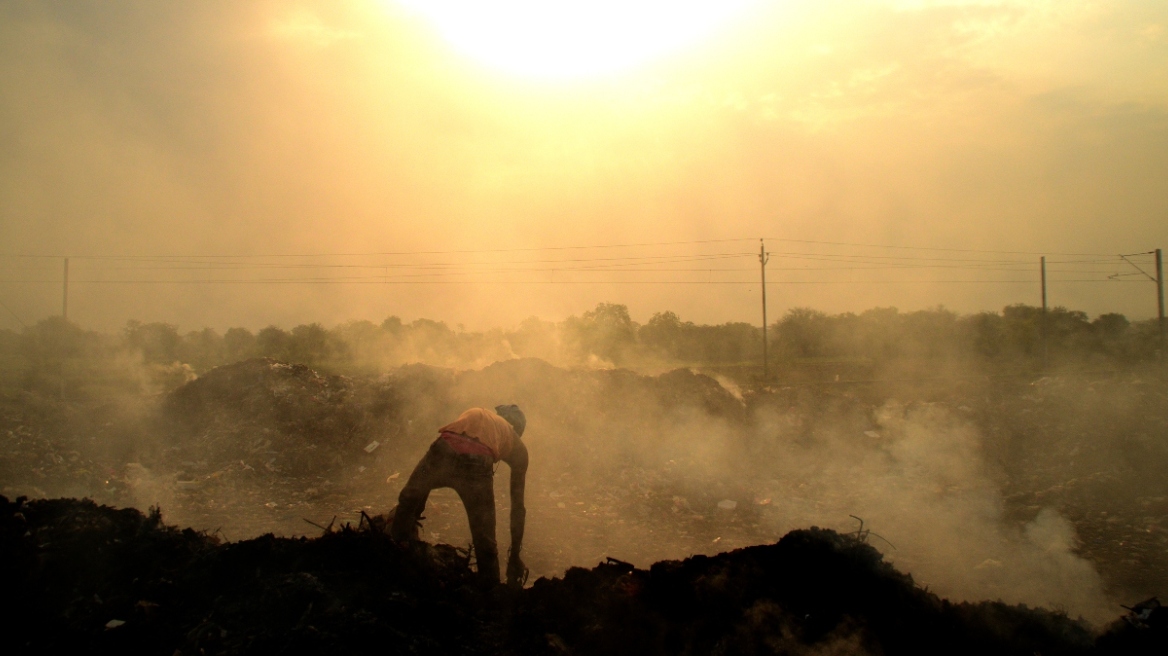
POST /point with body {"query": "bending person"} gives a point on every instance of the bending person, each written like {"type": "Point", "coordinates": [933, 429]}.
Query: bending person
{"type": "Point", "coordinates": [463, 457]}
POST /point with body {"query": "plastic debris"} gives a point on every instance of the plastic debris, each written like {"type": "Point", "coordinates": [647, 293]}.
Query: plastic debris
{"type": "Point", "coordinates": [727, 504]}
{"type": "Point", "coordinates": [113, 624]}
{"type": "Point", "coordinates": [372, 446]}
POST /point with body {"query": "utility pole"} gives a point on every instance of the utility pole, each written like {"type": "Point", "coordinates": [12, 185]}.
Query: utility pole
{"type": "Point", "coordinates": [65, 293]}
{"type": "Point", "coordinates": [1159, 280]}
{"type": "Point", "coordinates": [65, 316]}
{"type": "Point", "coordinates": [1043, 327]}
{"type": "Point", "coordinates": [1160, 293]}
{"type": "Point", "coordinates": [763, 258]}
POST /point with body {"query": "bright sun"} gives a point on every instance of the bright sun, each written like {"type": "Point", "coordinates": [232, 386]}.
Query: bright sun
{"type": "Point", "coordinates": [573, 38]}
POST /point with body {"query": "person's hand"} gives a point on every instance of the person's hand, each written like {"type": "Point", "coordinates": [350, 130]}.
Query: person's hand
{"type": "Point", "coordinates": [516, 572]}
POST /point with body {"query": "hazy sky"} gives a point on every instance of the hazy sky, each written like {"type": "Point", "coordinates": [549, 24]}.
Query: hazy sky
{"type": "Point", "coordinates": [164, 145]}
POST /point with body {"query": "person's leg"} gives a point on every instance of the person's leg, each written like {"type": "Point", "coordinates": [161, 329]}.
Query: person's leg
{"type": "Point", "coordinates": [433, 471]}
{"type": "Point", "coordinates": [475, 486]}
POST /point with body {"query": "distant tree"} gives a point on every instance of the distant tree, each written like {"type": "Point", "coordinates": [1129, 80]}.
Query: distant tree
{"type": "Point", "coordinates": [1110, 326]}
{"type": "Point", "coordinates": [157, 342]}
{"type": "Point", "coordinates": [310, 344]}
{"type": "Point", "coordinates": [930, 333]}
{"type": "Point", "coordinates": [55, 351]}
{"type": "Point", "coordinates": [535, 338]}
{"type": "Point", "coordinates": [202, 349]}
{"type": "Point", "coordinates": [664, 334]}
{"type": "Point", "coordinates": [606, 331]}
{"type": "Point", "coordinates": [54, 339]}
{"type": "Point", "coordinates": [1022, 327]}
{"type": "Point", "coordinates": [238, 344]}
{"type": "Point", "coordinates": [986, 334]}
{"type": "Point", "coordinates": [273, 342]}
{"type": "Point", "coordinates": [804, 333]}
{"type": "Point", "coordinates": [392, 325]}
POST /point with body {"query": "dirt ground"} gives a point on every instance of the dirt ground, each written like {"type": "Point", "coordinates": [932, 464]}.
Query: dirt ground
{"type": "Point", "coordinates": [86, 578]}
{"type": "Point", "coordinates": [633, 467]}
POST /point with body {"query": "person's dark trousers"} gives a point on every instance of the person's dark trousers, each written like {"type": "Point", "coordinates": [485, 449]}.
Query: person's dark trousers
{"type": "Point", "coordinates": [472, 477]}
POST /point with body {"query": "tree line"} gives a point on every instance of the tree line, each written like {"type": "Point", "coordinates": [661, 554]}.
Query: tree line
{"type": "Point", "coordinates": [42, 354]}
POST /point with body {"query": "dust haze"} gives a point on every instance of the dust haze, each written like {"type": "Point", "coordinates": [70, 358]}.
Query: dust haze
{"type": "Point", "coordinates": [308, 128]}
{"type": "Point", "coordinates": [982, 464]}
{"type": "Point", "coordinates": [303, 235]}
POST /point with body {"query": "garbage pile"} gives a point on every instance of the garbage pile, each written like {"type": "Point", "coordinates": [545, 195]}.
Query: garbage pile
{"type": "Point", "coordinates": [83, 578]}
{"type": "Point", "coordinates": [86, 578]}
{"type": "Point", "coordinates": [281, 417]}
{"type": "Point", "coordinates": [814, 591]}
{"type": "Point", "coordinates": [641, 467]}
{"type": "Point", "coordinates": [35, 456]}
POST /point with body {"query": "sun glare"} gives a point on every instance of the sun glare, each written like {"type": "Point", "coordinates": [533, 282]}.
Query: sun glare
{"type": "Point", "coordinates": [573, 38]}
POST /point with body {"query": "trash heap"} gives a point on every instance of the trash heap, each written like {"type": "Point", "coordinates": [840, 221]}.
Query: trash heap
{"type": "Point", "coordinates": [283, 417]}
{"type": "Point", "coordinates": [815, 591]}
{"type": "Point", "coordinates": [85, 578]}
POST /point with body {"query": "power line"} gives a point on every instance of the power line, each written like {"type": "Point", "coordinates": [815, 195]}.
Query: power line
{"type": "Point", "coordinates": [396, 253]}
{"type": "Point", "coordinates": [376, 281]}
{"type": "Point", "coordinates": [553, 248]}
{"type": "Point", "coordinates": [929, 248]}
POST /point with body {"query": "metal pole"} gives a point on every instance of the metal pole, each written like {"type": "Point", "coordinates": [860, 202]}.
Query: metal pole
{"type": "Point", "coordinates": [65, 316]}
{"type": "Point", "coordinates": [1043, 327]}
{"type": "Point", "coordinates": [1160, 292]}
{"type": "Point", "coordinates": [762, 260]}
{"type": "Point", "coordinates": [65, 293]}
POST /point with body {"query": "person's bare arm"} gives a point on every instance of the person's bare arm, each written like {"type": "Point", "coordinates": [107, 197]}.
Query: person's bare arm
{"type": "Point", "coordinates": [517, 460]}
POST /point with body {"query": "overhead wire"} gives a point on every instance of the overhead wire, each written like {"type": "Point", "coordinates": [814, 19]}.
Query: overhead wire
{"type": "Point", "coordinates": [470, 270]}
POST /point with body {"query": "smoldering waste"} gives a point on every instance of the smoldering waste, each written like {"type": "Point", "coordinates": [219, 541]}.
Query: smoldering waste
{"type": "Point", "coordinates": [625, 466]}
{"type": "Point", "coordinates": [79, 577]}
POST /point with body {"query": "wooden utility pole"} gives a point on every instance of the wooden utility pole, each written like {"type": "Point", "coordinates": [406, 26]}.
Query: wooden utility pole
{"type": "Point", "coordinates": [1043, 326]}
{"type": "Point", "coordinates": [763, 258]}
{"type": "Point", "coordinates": [65, 293]}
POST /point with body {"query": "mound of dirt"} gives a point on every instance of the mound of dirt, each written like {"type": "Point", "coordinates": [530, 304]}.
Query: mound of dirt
{"type": "Point", "coordinates": [83, 578]}
{"type": "Point", "coordinates": [815, 591]}
{"type": "Point", "coordinates": [86, 578]}
{"type": "Point", "coordinates": [260, 407]}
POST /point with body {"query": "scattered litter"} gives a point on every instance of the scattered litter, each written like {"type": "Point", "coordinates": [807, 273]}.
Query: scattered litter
{"type": "Point", "coordinates": [1139, 614]}
{"type": "Point", "coordinates": [361, 469]}
{"type": "Point", "coordinates": [271, 504]}
{"type": "Point", "coordinates": [989, 563]}
{"type": "Point", "coordinates": [392, 477]}
{"type": "Point", "coordinates": [872, 434]}
{"type": "Point", "coordinates": [762, 502]}
{"type": "Point", "coordinates": [717, 539]}
{"type": "Point", "coordinates": [113, 624]}
{"type": "Point", "coordinates": [372, 446]}
{"type": "Point", "coordinates": [727, 504]}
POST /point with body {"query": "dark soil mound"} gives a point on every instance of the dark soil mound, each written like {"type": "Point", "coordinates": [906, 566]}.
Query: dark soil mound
{"type": "Point", "coordinates": [263, 407]}
{"type": "Point", "coordinates": [93, 579]}
{"type": "Point", "coordinates": [813, 590]}
{"type": "Point", "coordinates": [84, 578]}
